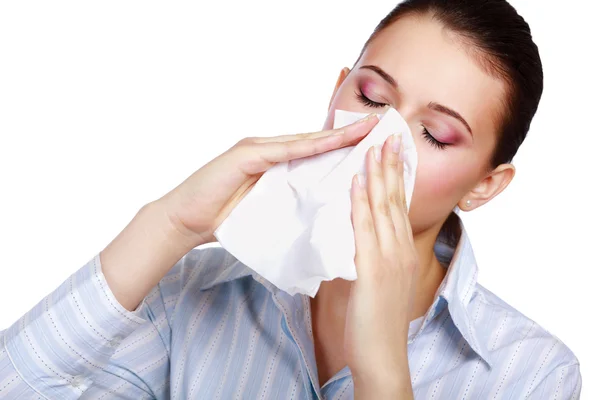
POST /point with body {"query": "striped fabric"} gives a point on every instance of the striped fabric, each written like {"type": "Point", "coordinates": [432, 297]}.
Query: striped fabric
{"type": "Point", "coordinates": [212, 329]}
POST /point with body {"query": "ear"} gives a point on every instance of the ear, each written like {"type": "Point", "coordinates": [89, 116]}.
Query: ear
{"type": "Point", "coordinates": [343, 74]}
{"type": "Point", "coordinates": [488, 188]}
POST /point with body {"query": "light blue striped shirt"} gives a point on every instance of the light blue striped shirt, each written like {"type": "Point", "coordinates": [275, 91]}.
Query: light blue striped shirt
{"type": "Point", "coordinates": [212, 329]}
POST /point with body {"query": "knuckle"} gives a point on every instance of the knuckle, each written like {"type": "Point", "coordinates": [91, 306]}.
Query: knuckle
{"type": "Point", "coordinates": [253, 166]}
{"type": "Point", "coordinates": [394, 200]}
{"type": "Point", "coordinates": [383, 208]}
{"type": "Point", "coordinates": [392, 162]}
{"type": "Point", "coordinates": [378, 172]}
{"type": "Point", "coordinates": [247, 141]}
{"type": "Point", "coordinates": [366, 224]}
{"type": "Point", "coordinates": [400, 167]}
{"type": "Point", "coordinates": [313, 148]}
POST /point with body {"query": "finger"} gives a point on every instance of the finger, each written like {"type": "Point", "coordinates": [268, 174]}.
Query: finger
{"type": "Point", "coordinates": [404, 228]}
{"type": "Point", "coordinates": [380, 209]}
{"type": "Point", "coordinates": [401, 188]}
{"type": "Point", "coordinates": [362, 223]}
{"type": "Point", "coordinates": [350, 133]}
{"type": "Point", "coordinates": [394, 182]}
{"type": "Point", "coordinates": [257, 158]}
{"type": "Point", "coordinates": [409, 231]}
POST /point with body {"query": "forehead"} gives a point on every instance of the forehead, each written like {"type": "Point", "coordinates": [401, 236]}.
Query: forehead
{"type": "Point", "coordinates": [431, 64]}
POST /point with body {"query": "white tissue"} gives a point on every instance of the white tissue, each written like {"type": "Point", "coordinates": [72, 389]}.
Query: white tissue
{"type": "Point", "coordinates": [294, 227]}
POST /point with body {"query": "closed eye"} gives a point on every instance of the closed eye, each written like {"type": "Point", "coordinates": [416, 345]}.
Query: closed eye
{"type": "Point", "coordinates": [367, 101]}
{"type": "Point", "coordinates": [428, 136]}
{"type": "Point", "coordinates": [434, 142]}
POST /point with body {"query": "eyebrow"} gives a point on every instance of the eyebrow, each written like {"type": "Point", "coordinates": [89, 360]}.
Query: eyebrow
{"type": "Point", "coordinates": [387, 77]}
{"type": "Point", "coordinates": [433, 106]}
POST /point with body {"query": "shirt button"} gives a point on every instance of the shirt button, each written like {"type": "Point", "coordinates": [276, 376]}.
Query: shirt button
{"type": "Point", "coordinates": [77, 381]}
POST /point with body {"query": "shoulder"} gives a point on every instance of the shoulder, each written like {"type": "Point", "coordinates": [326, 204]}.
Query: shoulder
{"type": "Point", "coordinates": [512, 337]}
{"type": "Point", "coordinates": [200, 270]}
{"type": "Point", "coordinates": [206, 267]}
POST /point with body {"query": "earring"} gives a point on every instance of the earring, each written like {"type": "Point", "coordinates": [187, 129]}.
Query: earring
{"type": "Point", "coordinates": [468, 203]}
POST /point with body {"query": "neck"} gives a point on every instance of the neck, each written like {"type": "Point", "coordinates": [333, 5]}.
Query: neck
{"type": "Point", "coordinates": [328, 308]}
{"type": "Point", "coordinates": [332, 299]}
{"type": "Point", "coordinates": [431, 272]}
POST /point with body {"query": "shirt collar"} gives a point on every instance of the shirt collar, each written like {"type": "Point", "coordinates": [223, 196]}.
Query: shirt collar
{"type": "Point", "coordinates": [455, 291]}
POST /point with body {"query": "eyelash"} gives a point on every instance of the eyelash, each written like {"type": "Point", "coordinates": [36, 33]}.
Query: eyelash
{"type": "Point", "coordinates": [367, 101]}
{"type": "Point", "coordinates": [428, 136]}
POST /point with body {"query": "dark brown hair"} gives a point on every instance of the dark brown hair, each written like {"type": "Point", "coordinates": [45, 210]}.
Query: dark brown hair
{"type": "Point", "coordinates": [501, 41]}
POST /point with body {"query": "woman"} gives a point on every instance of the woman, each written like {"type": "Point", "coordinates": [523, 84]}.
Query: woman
{"type": "Point", "coordinates": [149, 317]}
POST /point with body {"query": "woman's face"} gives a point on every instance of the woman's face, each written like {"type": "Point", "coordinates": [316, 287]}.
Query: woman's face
{"type": "Point", "coordinates": [450, 103]}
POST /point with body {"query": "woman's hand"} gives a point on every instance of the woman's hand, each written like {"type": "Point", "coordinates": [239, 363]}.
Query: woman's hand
{"type": "Point", "coordinates": [375, 341]}
{"type": "Point", "coordinates": [165, 230]}
{"type": "Point", "coordinates": [200, 204]}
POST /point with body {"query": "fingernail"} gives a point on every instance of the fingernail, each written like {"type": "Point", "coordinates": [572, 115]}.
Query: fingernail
{"type": "Point", "coordinates": [396, 144]}
{"type": "Point", "coordinates": [368, 117]}
{"type": "Point", "coordinates": [377, 153]}
{"type": "Point", "coordinates": [361, 180]}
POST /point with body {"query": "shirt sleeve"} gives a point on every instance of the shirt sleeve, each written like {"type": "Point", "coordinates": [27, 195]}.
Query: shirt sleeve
{"type": "Point", "coordinates": [562, 383]}
{"type": "Point", "coordinates": [80, 340]}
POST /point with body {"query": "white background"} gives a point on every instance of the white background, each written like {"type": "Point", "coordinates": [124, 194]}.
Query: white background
{"type": "Point", "coordinates": [106, 106]}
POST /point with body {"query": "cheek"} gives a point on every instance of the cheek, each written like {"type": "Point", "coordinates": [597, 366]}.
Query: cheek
{"type": "Point", "coordinates": [441, 177]}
